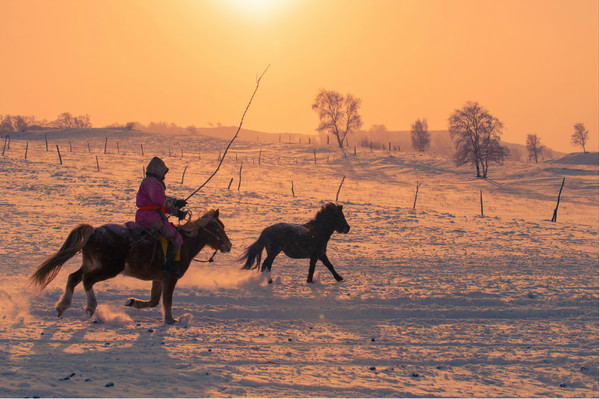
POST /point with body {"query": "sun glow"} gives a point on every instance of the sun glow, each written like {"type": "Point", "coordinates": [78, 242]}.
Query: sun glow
{"type": "Point", "coordinates": [257, 8]}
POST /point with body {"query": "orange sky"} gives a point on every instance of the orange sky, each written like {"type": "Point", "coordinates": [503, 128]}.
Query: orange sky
{"type": "Point", "coordinates": [533, 64]}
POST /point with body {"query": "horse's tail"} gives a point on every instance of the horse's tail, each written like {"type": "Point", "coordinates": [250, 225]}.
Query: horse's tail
{"type": "Point", "coordinates": [253, 254]}
{"type": "Point", "coordinates": [48, 270]}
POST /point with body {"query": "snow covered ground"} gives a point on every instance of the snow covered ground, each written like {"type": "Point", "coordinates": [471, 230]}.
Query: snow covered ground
{"type": "Point", "coordinates": [436, 301]}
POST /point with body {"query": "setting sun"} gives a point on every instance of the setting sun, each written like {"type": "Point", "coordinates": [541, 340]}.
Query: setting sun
{"type": "Point", "coordinates": [256, 8]}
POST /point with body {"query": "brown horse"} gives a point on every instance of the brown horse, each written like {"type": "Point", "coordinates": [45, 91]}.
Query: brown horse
{"type": "Point", "coordinates": [113, 249]}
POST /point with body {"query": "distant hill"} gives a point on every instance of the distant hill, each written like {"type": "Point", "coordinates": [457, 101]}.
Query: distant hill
{"type": "Point", "coordinates": [441, 143]}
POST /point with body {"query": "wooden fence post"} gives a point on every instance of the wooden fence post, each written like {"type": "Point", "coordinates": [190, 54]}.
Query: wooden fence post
{"type": "Point", "coordinates": [46, 139]}
{"type": "Point", "coordinates": [339, 188]}
{"type": "Point", "coordinates": [59, 157]}
{"type": "Point", "coordinates": [230, 181]}
{"type": "Point", "coordinates": [240, 181]}
{"type": "Point", "coordinates": [4, 149]}
{"type": "Point", "coordinates": [26, 148]}
{"type": "Point", "coordinates": [105, 144]}
{"type": "Point", "coordinates": [416, 194]}
{"type": "Point", "coordinates": [142, 147]}
{"type": "Point", "coordinates": [97, 164]}
{"type": "Point", "coordinates": [481, 201]}
{"type": "Point", "coordinates": [183, 175]}
{"type": "Point", "coordinates": [558, 201]}
{"type": "Point", "coordinates": [293, 194]}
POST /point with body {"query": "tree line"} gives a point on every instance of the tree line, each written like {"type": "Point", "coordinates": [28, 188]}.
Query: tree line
{"type": "Point", "coordinates": [21, 123]}
{"type": "Point", "coordinates": [476, 133]}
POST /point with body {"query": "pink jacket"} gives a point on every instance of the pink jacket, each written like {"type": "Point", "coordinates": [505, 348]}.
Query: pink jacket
{"type": "Point", "coordinates": [152, 207]}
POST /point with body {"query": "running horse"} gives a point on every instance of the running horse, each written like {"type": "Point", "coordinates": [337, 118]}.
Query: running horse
{"type": "Point", "coordinates": [297, 241]}
{"type": "Point", "coordinates": [113, 249]}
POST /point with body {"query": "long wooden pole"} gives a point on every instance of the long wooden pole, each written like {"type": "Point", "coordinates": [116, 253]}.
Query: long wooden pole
{"type": "Point", "coordinates": [233, 139]}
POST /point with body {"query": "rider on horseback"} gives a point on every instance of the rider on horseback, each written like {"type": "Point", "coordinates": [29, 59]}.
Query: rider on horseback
{"type": "Point", "coordinates": [153, 206]}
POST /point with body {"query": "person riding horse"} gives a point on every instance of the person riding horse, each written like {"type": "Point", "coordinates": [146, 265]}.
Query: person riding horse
{"type": "Point", "coordinates": [153, 206]}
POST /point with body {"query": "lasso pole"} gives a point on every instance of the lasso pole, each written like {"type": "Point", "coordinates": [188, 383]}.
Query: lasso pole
{"type": "Point", "coordinates": [234, 137]}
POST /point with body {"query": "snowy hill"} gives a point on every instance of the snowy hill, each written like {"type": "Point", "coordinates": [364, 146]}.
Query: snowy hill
{"type": "Point", "coordinates": [439, 300]}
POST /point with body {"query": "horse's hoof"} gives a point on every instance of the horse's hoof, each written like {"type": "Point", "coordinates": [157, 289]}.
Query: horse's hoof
{"type": "Point", "coordinates": [170, 321]}
{"type": "Point", "coordinates": [130, 302]}
{"type": "Point", "coordinates": [270, 281]}
{"type": "Point", "coordinates": [339, 278]}
{"type": "Point", "coordinates": [309, 281]}
{"type": "Point", "coordinates": [90, 312]}
{"type": "Point", "coordinates": [59, 312]}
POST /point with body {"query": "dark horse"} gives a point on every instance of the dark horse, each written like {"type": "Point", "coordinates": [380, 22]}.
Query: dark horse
{"type": "Point", "coordinates": [113, 249]}
{"type": "Point", "coordinates": [308, 240]}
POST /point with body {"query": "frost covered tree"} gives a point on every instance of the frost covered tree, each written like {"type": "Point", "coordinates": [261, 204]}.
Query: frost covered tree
{"type": "Point", "coordinates": [338, 115]}
{"type": "Point", "coordinates": [16, 123]}
{"type": "Point", "coordinates": [476, 134]}
{"type": "Point", "coordinates": [68, 121]}
{"type": "Point", "coordinates": [580, 136]}
{"type": "Point", "coordinates": [534, 147]}
{"type": "Point", "coordinates": [421, 138]}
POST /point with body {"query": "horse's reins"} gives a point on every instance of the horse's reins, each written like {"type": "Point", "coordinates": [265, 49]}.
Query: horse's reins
{"type": "Point", "coordinates": [212, 257]}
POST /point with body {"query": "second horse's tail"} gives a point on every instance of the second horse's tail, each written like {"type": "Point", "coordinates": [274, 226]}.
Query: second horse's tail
{"type": "Point", "coordinates": [253, 254]}
{"type": "Point", "coordinates": [48, 270]}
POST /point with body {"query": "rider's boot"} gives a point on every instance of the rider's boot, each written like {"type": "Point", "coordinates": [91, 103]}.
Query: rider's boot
{"type": "Point", "coordinates": [170, 265]}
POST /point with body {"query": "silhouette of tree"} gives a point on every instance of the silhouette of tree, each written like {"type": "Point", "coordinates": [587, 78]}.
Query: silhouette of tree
{"type": "Point", "coordinates": [580, 136]}
{"type": "Point", "coordinates": [16, 123]}
{"type": "Point", "coordinates": [419, 135]}
{"type": "Point", "coordinates": [534, 147]}
{"type": "Point", "coordinates": [476, 134]}
{"type": "Point", "coordinates": [338, 114]}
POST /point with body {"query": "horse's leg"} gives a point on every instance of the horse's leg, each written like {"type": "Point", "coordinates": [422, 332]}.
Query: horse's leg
{"type": "Point", "coordinates": [311, 270]}
{"type": "Point", "coordinates": [155, 294]}
{"type": "Point", "coordinates": [266, 266]}
{"type": "Point", "coordinates": [328, 264]}
{"type": "Point", "coordinates": [168, 282]}
{"type": "Point", "coordinates": [89, 279]}
{"type": "Point", "coordinates": [72, 281]}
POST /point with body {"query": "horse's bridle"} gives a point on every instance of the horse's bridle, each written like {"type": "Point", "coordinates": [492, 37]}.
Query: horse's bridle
{"type": "Point", "coordinates": [219, 241]}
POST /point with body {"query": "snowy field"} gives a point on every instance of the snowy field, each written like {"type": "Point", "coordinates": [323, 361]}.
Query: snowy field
{"type": "Point", "coordinates": [437, 301]}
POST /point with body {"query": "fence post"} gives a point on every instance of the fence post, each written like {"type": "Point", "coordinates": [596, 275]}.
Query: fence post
{"type": "Point", "coordinates": [558, 201]}
{"type": "Point", "coordinates": [481, 201]}
{"type": "Point", "coordinates": [59, 157]}
{"type": "Point", "coordinates": [183, 175]}
{"type": "Point", "coordinates": [240, 182]}
{"type": "Point", "coordinates": [339, 188]}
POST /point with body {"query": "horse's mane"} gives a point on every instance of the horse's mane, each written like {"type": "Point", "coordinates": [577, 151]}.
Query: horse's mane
{"type": "Point", "coordinates": [193, 226]}
{"type": "Point", "coordinates": [326, 215]}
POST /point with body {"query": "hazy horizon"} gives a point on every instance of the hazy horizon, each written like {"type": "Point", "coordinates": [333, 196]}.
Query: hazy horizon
{"type": "Point", "coordinates": [532, 64]}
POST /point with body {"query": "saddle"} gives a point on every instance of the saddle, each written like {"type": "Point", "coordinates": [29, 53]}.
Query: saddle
{"type": "Point", "coordinates": [139, 235]}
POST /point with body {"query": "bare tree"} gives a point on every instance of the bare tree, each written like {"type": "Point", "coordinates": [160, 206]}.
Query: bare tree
{"type": "Point", "coordinates": [82, 121]}
{"type": "Point", "coordinates": [65, 121]}
{"type": "Point", "coordinates": [419, 135]}
{"type": "Point", "coordinates": [534, 147]}
{"type": "Point", "coordinates": [338, 114]}
{"type": "Point", "coordinates": [476, 134]}
{"type": "Point", "coordinates": [16, 123]}
{"type": "Point", "coordinates": [580, 136]}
